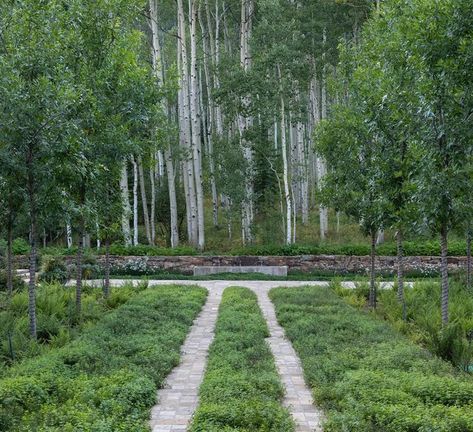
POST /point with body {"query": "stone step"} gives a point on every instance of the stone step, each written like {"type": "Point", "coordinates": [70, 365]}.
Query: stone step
{"type": "Point", "coordinates": [267, 270]}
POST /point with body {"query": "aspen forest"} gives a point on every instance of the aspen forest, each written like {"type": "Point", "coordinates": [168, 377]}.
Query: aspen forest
{"type": "Point", "coordinates": [286, 185]}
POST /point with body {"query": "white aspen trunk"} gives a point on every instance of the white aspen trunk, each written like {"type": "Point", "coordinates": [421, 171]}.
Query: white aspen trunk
{"type": "Point", "coordinates": [126, 210]}
{"type": "Point", "coordinates": [304, 182]}
{"type": "Point", "coordinates": [380, 237]}
{"type": "Point", "coordinates": [144, 199]}
{"type": "Point", "coordinates": [287, 192]}
{"type": "Point", "coordinates": [172, 199]}
{"type": "Point", "coordinates": [294, 219]}
{"type": "Point", "coordinates": [210, 118]}
{"type": "Point", "coordinates": [69, 235]}
{"type": "Point", "coordinates": [275, 133]}
{"type": "Point", "coordinates": [97, 227]}
{"type": "Point", "coordinates": [135, 202]}
{"type": "Point", "coordinates": [322, 166]}
{"type": "Point", "coordinates": [152, 217]}
{"type": "Point", "coordinates": [158, 68]}
{"type": "Point", "coordinates": [185, 129]}
{"type": "Point", "coordinates": [244, 123]}
{"type": "Point", "coordinates": [195, 122]}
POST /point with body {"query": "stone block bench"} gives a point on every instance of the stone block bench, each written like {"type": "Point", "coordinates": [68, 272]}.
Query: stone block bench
{"type": "Point", "coordinates": [267, 270]}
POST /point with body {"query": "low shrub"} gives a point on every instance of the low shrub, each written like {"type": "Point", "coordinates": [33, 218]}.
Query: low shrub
{"type": "Point", "coordinates": [106, 380]}
{"type": "Point", "coordinates": [365, 374]}
{"type": "Point", "coordinates": [53, 269]}
{"type": "Point", "coordinates": [57, 320]}
{"type": "Point", "coordinates": [18, 283]}
{"type": "Point", "coordinates": [241, 390]}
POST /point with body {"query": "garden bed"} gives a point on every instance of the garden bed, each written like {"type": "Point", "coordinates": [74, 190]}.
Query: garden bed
{"type": "Point", "coordinates": [365, 374]}
{"type": "Point", "coordinates": [241, 390]}
{"type": "Point", "coordinates": [107, 379]}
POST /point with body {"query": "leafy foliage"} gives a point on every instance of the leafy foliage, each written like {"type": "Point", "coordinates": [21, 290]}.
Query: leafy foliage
{"type": "Point", "coordinates": [107, 379]}
{"type": "Point", "coordinates": [365, 374]}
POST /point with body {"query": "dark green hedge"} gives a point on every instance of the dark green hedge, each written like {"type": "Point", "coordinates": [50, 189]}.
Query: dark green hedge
{"type": "Point", "coordinates": [424, 248]}
{"type": "Point", "coordinates": [241, 390]}
{"type": "Point", "coordinates": [367, 376]}
{"type": "Point", "coordinates": [107, 379]}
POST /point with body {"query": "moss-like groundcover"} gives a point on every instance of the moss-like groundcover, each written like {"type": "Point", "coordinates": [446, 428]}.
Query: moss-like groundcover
{"type": "Point", "coordinates": [106, 380]}
{"type": "Point", "coordinates": [367, 376]}
{"type": "Point", "coordinates": [241, 390]}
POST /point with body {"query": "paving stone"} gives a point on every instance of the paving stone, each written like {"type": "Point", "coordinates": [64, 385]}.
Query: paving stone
{"type": "Point", "coordinates": [178, 400]}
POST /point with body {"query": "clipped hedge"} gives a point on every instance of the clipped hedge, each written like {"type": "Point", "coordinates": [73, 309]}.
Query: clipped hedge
{"type": "Point", "coordinates": [107, 379]}
{"type": "Point", "coordinates": [411, 248]}
{"type": "Point", "coordinates": [241, 390]}
{"type": "Point", "coordinates": [367, 376]}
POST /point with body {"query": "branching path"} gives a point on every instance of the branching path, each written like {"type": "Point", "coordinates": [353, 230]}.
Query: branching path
{"type": "Point", "coordinates": [179, 399]}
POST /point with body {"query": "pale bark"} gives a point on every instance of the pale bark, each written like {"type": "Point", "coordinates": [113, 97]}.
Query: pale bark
{"type": "Point", "coordinates": [152, 217]}
{"type": "Point", "coordinates": [126, 210]}
{"type": "Point", "coordinates": [68, 235]}
{"type": "Point", "coordinates": [380, 237]}
{"type": "Point", "coordinates": [195, 123]}
{"type": "Point", "coordinates": [322, 164]}
{"type": "Point", "coordinates": [32, 216]}
{"type": "Point", "coordinates": [172, 199]}
{"type": "Point", "coordinates": [158, 68]}
{"type": "Point", "coordinates": [287, 193]}
{"type": "Point", "coordinates": [135, 202]}
{"type": "Point", "coordinates": [245, 122]}
{"type": "Point", "coordinates": [211, 113]}
{"type": "Point", "coordinates": [144, 199]}
{"type": "Point", "coordinates": [185, 129]}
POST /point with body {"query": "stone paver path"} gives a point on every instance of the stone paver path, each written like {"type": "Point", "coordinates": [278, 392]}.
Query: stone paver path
{"type": "Point", "coordinates": [180, 397]}
{"type": "Point", "coordinates": [298, 398]}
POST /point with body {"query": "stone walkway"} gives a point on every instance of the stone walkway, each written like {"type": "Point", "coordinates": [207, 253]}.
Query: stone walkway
{"type": "Point", "coordinates": [298, 397]}
{"type": "Point", "coordinates": [180, 397]}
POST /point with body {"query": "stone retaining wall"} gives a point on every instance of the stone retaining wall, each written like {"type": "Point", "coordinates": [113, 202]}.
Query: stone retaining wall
{"type": "Point", "coordinates": [301, 263]}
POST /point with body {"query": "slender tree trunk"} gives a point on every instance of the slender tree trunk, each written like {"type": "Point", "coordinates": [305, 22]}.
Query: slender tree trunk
{"type": "Point", "coordinates": [185, 129]}
{"type": "Point", "coordinates": [380, 237]}
{"type": "Point", "coordinates": [106, 287]}
{"type": "Point", "coordinates": [172, 199]}
{"type": "Point", "coordinates": [135, 202]}
{"type": "Point", "coordinates": [400, 274]}
{"type": "Point", "coordinates": [158, 67]}
{"type": "Point", "coordinates": [287, 193]}
{"type": "Point", "coordinates": [195, 122]}
{"type": "Point", "coordinates": [10, 255]}
{"type": "Point", "coordinates": [144, 199]}
{"type": "Point", "coordinates": [373, 293]}
{"type": "Point", "coordinates": [152, 218]}
{"type": "Point", "coordinates": [32, 282]}
{"type": "Point", "coordinates": [444, 272]}
{"type": "Point", "coordinates": [80, 253]}
{"type": "Point", "coordinates": [68, 235]}
{"type": "Point", "coordinates": [468, 259]}
{"type": "Point", "coordinates": [126, 210]}
{"type": "Point", "coordinates": [244, 122]}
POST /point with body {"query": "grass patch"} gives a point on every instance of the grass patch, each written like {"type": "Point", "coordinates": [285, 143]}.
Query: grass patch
{"type": "Point", "coordinates": [365, 374]}
{"type": "Point", "coordinates": [241, 390]}
{"type": "Point", "coordinates": [106, 380]}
